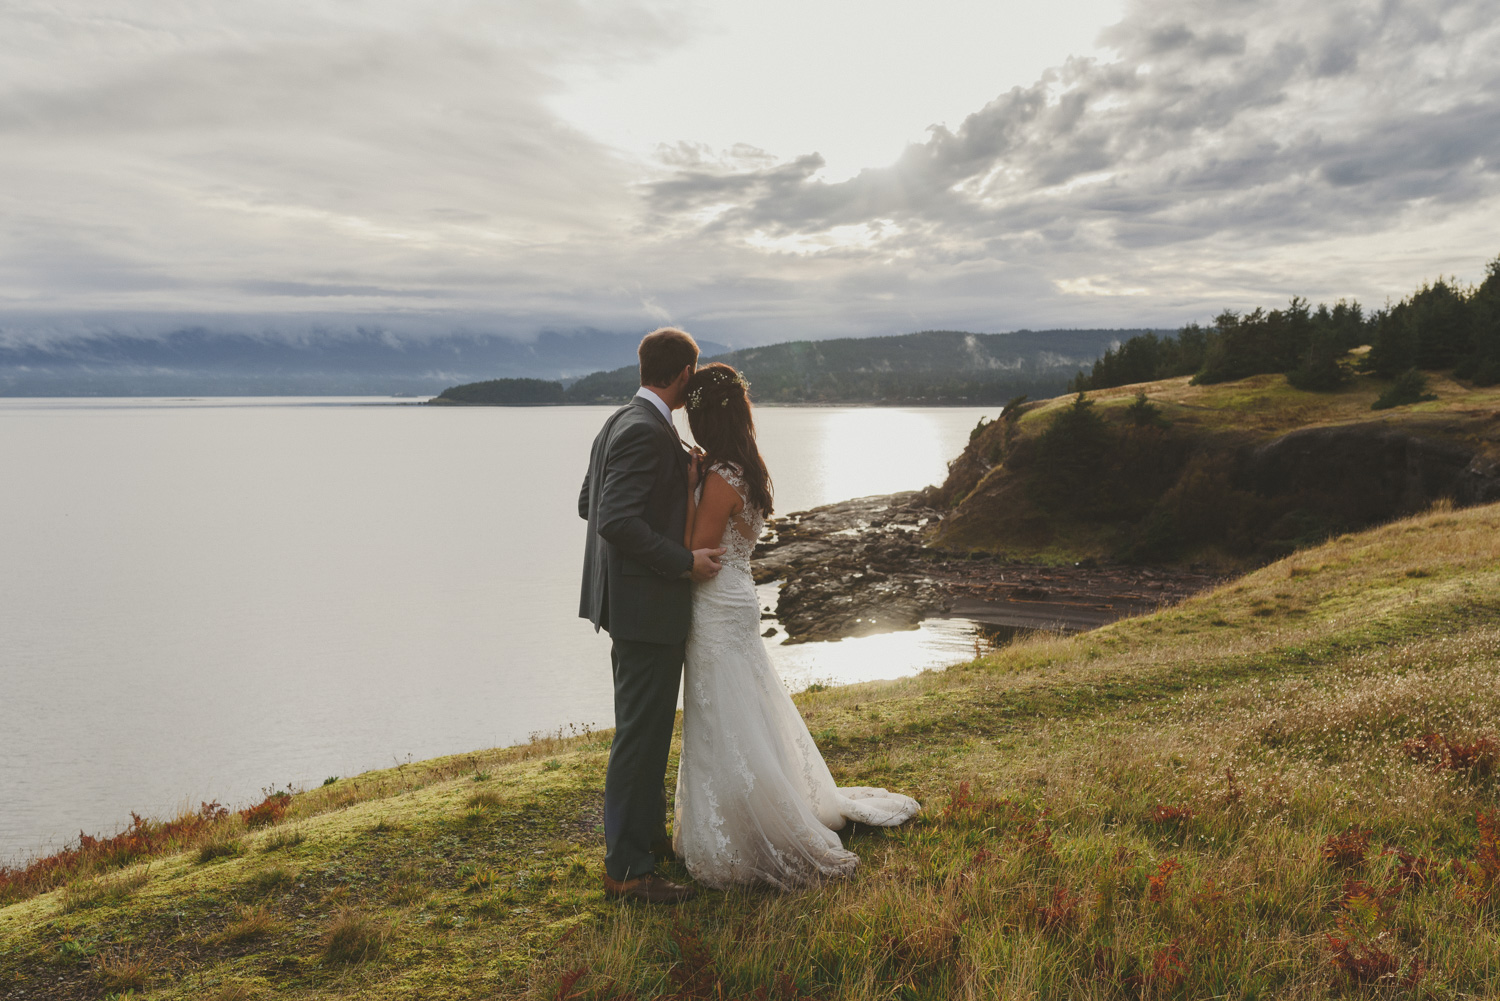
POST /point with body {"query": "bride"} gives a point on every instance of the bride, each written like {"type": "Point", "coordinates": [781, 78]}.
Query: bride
{"type": "Point", "coordinates": [755, 802]}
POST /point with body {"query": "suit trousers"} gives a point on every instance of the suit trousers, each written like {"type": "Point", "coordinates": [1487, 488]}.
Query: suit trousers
{"type": "Point", "coordinates": [647, 678]}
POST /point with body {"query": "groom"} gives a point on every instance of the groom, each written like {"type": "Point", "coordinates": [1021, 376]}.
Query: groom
{"type": "Point", "coordinates": [637, 578]}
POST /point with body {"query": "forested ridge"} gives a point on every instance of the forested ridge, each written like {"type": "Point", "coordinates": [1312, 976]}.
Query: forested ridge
{"type": "Point", "coordinates": [1443, 325]}
{"type": "Point", "coordinates": [931, 367]}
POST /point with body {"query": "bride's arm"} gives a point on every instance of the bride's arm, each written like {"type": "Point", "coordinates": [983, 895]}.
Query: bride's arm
{"type": "Point", "coordinates": [719, 504]}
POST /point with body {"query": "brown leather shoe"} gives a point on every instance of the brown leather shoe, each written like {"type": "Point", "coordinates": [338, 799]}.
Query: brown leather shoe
{"type": "Point", "coordinates": [663, 851]}
{"type": "Point", "coordinates": [651, 888]}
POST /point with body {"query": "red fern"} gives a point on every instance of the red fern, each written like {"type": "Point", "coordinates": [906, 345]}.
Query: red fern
{"type": "Point", "coordinates": [1346, 850]}
{"type": "Point", "coordinates": [1160, 882]}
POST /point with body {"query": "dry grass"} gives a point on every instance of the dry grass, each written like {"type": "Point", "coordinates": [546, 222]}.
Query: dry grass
{"type": "Point", "coordinates": [233, 992]}
{"type": "Point", "coordinates": [253, 922]}
{"type": "Point", "coordinates": [122, 972]}
{"type": "Point", "coordinates": [354, 938]}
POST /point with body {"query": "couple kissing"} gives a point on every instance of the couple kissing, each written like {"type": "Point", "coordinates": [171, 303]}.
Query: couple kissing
{"type": "Point", "coordinates": [667, 573]}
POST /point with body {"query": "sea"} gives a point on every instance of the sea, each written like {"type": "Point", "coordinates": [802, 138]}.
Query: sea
{"type": "Point", "coordinates": [202, 599]}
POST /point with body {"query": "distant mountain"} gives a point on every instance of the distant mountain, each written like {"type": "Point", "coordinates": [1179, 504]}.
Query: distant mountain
{"type": "Point", "coordinates": [933, 366]}
{"type": "Point", "coordinates": [198, 361]}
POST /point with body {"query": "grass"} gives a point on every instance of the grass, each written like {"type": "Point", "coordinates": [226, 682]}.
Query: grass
{"type": "Point", "coordinates": [283, 838]}
{"type": "Point", "coordinates": [1279, 789]}
{"type": "Point", "coordinates": [353, 938]}
{"type": "Point", "coordinates": [220, 845]}
{"type": "Point", "coordinates": [101, 891]}
{"type": "Point", "coordinates": [250, 922]}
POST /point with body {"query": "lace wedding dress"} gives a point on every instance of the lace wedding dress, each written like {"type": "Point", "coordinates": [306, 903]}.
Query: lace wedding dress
{"type": "Point", "coordinates": [755, 802]}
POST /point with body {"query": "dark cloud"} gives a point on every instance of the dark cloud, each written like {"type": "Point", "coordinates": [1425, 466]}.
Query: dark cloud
{"type": "Point", "coordinates": [1218, 121]}
{"type": "Point", "coordinates": [400, 166]}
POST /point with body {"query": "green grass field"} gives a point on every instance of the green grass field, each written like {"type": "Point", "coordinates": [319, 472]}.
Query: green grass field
{"type": "Point", "coordinates": [1278, 789]}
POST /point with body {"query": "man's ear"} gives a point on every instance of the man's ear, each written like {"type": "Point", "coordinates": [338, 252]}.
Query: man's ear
{"type": "Point", "coordinates": [687, 373]}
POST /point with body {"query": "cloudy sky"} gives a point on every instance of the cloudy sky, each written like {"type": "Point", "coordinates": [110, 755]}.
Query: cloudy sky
{"type": "Point", "coordinates": [754, 171]}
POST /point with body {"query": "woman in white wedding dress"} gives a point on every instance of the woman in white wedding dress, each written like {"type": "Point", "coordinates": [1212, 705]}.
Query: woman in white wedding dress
{"type": "Point", "coordinates": [755, 802]}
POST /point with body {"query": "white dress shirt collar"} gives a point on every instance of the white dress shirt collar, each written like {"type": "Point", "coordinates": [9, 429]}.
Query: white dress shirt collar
{"type": "Point", "coordinates": [656, 401]}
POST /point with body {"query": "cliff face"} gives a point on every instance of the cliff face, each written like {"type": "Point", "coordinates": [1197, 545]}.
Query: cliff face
{"type": "Point", "coordinates": [1233, 474]}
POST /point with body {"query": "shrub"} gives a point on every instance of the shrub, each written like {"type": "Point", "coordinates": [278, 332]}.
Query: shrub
{"type": "Point", "coordinates": [1320, 370]}
{"type": "Point", "coordinates": [1410, 387]}
{"type": "Point", "coordinates": [1143, 413]}
{"type": "Point", "coordinates": [1070, 455]}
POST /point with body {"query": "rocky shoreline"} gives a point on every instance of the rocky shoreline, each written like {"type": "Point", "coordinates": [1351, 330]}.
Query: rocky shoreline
{"type": "Point", "coordinates": [859, 567]}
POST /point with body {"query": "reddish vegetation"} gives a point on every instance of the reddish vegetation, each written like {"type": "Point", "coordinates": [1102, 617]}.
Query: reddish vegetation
{"type": "Point", "coordinates": [1359, 893]}
{"type": "Point", "coordinates": [1160, 882]}
{"type": "Point", "coordinates": [1233, 793]}
{"type": "Point", "coordinates": [1412, 870]}
{"type": "Point", "coordinates": [1061, 912]}
{"type": "Point", "coordinates": [1484, 874]}
{"type": "Point", "coordinates": [1479, 756]}
{"type": "Point", "coordinates": [1347, 850]}
{"type": "Point", "coordinates": [268, 811]}
{"type": "Point", "coordinates": [1164, 814]}
{"type": "Point", "coordinates": [1028, 829]}
{"type": "Point", "coordinates": [1362, 964]}
{"type": "Point", "coordinates": [1167, 968]}
{"type": "Point", "coordinates": [1208, 897]}
{"type": "Point", "coordinates": [1167, 971]}
{"type": "Point", "coordinates": [141, 839]}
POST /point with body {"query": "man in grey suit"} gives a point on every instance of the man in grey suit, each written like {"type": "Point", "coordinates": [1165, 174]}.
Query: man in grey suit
{"type": "Point", "coordinates": [637, 584]}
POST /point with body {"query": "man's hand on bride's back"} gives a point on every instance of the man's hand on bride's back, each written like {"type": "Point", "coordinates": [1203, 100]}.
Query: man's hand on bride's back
{"type": "Point", "coordinates": [705, 564]}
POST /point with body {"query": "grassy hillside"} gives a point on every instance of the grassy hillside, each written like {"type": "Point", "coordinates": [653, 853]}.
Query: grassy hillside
{"type": "Point", "coordinates": [1284, 788]}
{"type": "Point", "coordinates": [1232, 474]}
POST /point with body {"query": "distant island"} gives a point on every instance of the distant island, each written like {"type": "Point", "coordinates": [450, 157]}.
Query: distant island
{"type": "Point", "coordinates": [504, 393]}
{"type": "Point", "coordinates": [931, 367]}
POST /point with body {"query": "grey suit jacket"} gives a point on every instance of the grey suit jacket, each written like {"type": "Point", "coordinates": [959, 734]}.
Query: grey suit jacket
{"type": "Point", "coordinates": [635, 499]}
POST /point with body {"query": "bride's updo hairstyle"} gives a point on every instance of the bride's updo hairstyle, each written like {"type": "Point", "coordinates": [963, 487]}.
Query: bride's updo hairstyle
{"type": "Point", "coordinates": [718, 410]}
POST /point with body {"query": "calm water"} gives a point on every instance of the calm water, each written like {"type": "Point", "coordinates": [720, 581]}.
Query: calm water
{"type": "Point", "coordinates": [199, 598]}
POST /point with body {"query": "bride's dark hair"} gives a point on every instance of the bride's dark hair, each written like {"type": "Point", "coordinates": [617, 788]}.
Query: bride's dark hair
{"type": "Point", "coordinates": [718, 409]}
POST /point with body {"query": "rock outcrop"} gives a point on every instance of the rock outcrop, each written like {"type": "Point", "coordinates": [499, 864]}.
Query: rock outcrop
{"type": "Point", "coordinates": [859, 567]}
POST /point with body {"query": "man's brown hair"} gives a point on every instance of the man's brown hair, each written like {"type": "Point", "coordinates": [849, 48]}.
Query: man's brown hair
{"type": "Point", "coordinates": [664, 353]}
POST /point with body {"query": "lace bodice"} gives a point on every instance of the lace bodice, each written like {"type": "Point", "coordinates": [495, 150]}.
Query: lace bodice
{"type": "Point", "coordinates": [744, 529]}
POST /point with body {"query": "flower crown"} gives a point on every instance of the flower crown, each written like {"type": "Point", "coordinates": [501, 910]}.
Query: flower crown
{"type": "Point", "coordinates": [719, 379]}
